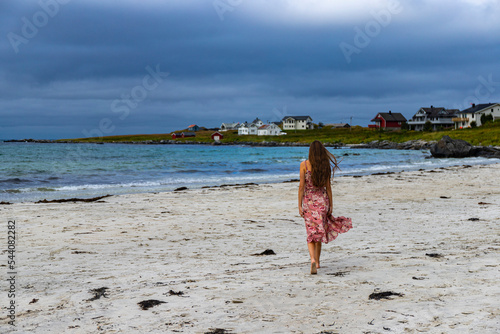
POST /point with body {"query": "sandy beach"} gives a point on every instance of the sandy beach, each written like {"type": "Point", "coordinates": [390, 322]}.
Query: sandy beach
{"type": "Point", "coordinates": [430, 237]}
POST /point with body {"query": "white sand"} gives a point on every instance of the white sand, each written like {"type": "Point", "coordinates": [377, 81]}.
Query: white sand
{"type": "Point", "coordinates": [200, 242]}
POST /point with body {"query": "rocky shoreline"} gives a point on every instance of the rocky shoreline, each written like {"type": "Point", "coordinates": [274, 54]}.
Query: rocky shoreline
{"type": "Point", "coordinates": [457, 148]}
{"type": "Point", "coordinates": [376, 144]}
{"type": "Point", "coordinates": [453, 148]}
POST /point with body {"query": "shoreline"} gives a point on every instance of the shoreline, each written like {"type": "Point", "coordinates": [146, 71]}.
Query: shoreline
{"type": "Point", "coordinates": [416, 144]}
{"type": "Point", "coordinates": [377, 144]}
{"type": "Point", "coordinates": [236, 185]}
{"type": "Point", "coordinates": [431, 237]}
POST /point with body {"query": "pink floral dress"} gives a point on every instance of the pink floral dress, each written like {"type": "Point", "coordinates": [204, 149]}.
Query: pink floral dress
{"type": "Point", "coordinates": [320, 226]}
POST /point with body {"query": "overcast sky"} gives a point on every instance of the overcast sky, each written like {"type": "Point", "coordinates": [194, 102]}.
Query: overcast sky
{"type": "Point", "coordinates": [75, 68]}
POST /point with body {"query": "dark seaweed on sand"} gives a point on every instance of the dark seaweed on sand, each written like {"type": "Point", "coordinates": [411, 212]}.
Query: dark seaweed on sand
{"type": "Point", "coordinates": [266, 252]}
{"type": "Point", "coordinates": [217, 331]}
{"type": "Point", "coordinates": [384, 295]}
{"type": "Point", "coordinates": [436, 255]}
{"type": "Point", "coordinates": [93, 199]}
{"type": "Point", "coordinates": [173, 293]}
{"type": "Point", "coordinates": [146, 304]}
{"type": "Point", "coordinates": [98, 293]}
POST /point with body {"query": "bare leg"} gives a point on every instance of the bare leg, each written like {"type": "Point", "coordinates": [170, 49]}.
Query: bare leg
{"type": "Point", "coordinates": [312, 246]}
{"type": "Point", "coordinates": [317, 253]}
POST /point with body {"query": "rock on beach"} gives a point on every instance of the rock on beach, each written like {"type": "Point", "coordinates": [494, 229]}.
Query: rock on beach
{"type": "Point", "coordinates": [457, 148]}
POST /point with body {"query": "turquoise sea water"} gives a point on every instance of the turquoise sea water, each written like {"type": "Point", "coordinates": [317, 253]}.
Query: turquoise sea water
{"type": "Point", "coordinates": [34, 171]}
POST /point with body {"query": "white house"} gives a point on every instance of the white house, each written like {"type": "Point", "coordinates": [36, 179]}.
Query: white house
{"type": "Point", "coordinates": [228, 126]}
{"type": "Point", "coordinates": [493, 110]}
{"type": "Point", "coordinates": [243, 130]}
{"type": "Point", "coordinates": [437, 116]}
{"type": "Point", "coordinates": [269, 130]}
{"type": "Point", "coordinates": [464, 118]}
{"type": "Point", "coordinates": [253, 129]}
{"type": "Point", "coordinates": [297, 123]}
{"type": "Point", "coordinates": [258, 122]}
{"type": "Point", "coordinates": [250, 129]}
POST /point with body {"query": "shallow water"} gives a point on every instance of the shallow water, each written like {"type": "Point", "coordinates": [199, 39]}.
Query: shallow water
{"type": "Point", "coordinates": [34, 171]}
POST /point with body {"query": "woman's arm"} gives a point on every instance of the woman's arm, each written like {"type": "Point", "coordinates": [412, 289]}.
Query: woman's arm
{"type": "Point", "coordinates": [301, 186]}
{"type": "Point", "coordinates": [330, 198]}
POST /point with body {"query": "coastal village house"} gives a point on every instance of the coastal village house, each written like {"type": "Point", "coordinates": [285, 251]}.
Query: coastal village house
{"type": "Point", "coordinates": [243, 129]}
{"type": "Point", "coordinates": [257, 122]}
{"type": "Point", "coordinates": [388, 121]}
{"type": "Point", "coordinates": [229, 126]}
{"type": "Point", "coordinates": [250, 128]}
{"type": "Point", "coordinates": [183, 135]}
{"type": "Point", "coordinates": [464, 118]}
{"type": "Point", "coordinates": [297, 123]}
{"type": "Point", "coordinates": [269, 130]}
{"type": "Point", "coordinates": [439, 117]}
{"type": "Point", "coordinates": [338, 125]}
{"type": "Point", "coordinates": [193, 127]}
{"type": "Point", "coordinates": [217, 136]}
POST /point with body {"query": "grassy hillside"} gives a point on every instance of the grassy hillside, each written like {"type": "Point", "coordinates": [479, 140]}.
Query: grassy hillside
{"type": "Point", "coordinates": [486, 135]}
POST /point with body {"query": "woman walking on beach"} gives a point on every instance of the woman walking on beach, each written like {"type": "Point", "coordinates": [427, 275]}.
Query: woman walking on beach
{"type": "Point", "coordinates": [315, 201]}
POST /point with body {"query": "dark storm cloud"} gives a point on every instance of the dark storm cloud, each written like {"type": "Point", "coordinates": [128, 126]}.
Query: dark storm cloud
{"type": "Point", "coordinates": [262, 57]}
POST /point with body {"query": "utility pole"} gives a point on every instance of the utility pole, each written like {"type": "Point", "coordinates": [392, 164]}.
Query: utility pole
{"type": "Point", "coordinates": [350, 125]}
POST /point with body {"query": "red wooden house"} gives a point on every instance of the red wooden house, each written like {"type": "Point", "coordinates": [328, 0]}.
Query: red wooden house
{"type": "Point", "coordinates": [183, 135]}
{"type": "Point", "coordinates": [388, 121]}
{"type": "Point", "coordinates": [217, 136]}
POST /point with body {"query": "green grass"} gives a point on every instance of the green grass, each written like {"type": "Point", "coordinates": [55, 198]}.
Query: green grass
{"type": "Point", "coordinates": [488, 134]}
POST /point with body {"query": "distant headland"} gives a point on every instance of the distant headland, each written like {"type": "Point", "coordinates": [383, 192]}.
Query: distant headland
{"type": "Point", "coordinates": [356, 136]}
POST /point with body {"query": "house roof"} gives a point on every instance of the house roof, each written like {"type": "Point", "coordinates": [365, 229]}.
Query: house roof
{"type": "Point", "coordinates": [232, 125]}
{"type": "Point", "coordinates": [256, 120]}
{"type": "Point", "coordinates": [477, 107]}
{"type": "Point", "coordinates": [192, 126]}
{"type": "Point", "coordinates": [246, 125]}
{"type": "Point", "coordinates": [186, 134]}
{"type": "Point", "coordinates": [391, 117]}
{"type": "Point", "coordinates": [298, 118]}
{"type": "Point", "coordinates": [338, 125]}
{"type": "Point", "coordinates": [439, 112]}
{"type": "Point", "coordinates": [265, 126]}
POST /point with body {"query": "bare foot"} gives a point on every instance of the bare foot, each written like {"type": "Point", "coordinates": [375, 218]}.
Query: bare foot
{"type": "Point", "coordinates": [313, 268]}
{"type": "Point", "coordinates": [317, 266]}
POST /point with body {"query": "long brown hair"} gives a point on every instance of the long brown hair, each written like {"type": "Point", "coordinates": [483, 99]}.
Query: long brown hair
{"type": "Point", "coordinates": [321, 164]}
